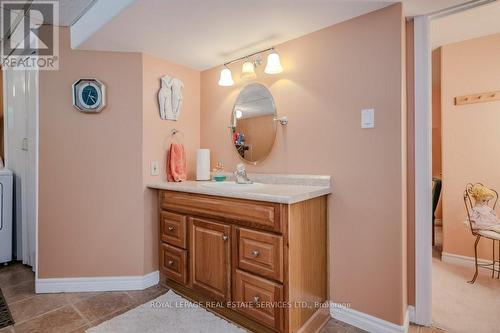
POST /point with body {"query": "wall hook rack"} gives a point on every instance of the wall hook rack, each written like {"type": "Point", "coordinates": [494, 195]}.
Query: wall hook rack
{"type": "Point", "coordinates": [478, 98]}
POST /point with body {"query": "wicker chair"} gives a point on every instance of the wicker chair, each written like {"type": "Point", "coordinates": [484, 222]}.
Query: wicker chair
{"type": "Point", "coordinates": [491, 235]}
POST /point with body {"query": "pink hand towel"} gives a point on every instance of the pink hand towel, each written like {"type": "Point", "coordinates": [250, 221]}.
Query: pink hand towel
{"type": "Point", "coordinates": [176, 163]}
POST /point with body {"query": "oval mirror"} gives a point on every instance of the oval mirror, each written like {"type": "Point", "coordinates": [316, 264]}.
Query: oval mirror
{"type": "Point", "coordinates": [253, 125]}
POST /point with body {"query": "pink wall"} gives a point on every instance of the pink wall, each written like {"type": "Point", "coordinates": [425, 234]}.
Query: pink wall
{"type": "Point", "coordinates": [96, 217]}
{"type": "Point", "coordinates": [330, 75]}
{"type": "Point", "coordinates": [156, 138]}
{"type": "Point", "coordinates": [470, 134]}
{"type": "Point", "coordinates": [90, 184]}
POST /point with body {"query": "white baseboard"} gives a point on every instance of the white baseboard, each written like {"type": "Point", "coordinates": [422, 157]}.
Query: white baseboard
{"type": "Point", "coordinates": [87, 284]}
{"type": "Point", "coordinates": [457, 259]}
{"type": "Point", "coordinates": [367, 322]}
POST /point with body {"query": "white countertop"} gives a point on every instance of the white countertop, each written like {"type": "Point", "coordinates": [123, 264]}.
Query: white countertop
{"type": "Point", "coordinates": [280, 193]}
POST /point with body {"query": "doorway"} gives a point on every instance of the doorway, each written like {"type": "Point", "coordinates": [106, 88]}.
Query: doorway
{"type": "Point", "coordinates": [444, 271]}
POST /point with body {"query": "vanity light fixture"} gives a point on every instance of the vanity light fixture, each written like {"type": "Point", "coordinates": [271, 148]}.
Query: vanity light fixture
{"type": "Point", "coordinates": [226, 77]}
{"type": "Point", "coordinates": [273, 66]}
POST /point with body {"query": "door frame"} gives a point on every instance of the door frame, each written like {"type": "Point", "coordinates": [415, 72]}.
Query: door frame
{"type": "Point", "coordinates": [423, 171]}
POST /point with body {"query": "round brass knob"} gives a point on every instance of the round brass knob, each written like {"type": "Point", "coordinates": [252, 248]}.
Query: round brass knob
{"type": "Point", "coordinates": [170, 262]}
{"type": "Point", "coordinates": [225, 238]}
{"type": "Point", "coordinates": [255, 253]}
{"type": "Point", "coordinates": [171, 228]}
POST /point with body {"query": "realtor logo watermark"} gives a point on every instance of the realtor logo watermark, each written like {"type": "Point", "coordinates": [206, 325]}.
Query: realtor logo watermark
{"type": "Point", "coordinates": [30, 35]}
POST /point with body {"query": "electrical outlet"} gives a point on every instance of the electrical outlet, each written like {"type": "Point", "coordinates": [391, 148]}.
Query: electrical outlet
{"type": "Point", "coordinates": [155, 168]}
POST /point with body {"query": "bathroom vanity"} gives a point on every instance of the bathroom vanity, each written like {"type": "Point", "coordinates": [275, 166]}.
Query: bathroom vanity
{"type": "Point", "coordinates": [255, 254]}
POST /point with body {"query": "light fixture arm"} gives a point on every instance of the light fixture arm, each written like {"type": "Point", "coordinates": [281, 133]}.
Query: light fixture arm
{"type": "Point", "coordinates": [282, 120]}
{"type": "Point", "coordinates": [247, 56]}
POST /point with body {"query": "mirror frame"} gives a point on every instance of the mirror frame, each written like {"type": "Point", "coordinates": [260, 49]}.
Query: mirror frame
{"type": "Point", "coordinates": [274, 120]}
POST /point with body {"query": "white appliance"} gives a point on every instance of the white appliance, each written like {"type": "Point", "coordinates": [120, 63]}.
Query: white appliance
{"type": "Point", "coordinates": [5, 215]}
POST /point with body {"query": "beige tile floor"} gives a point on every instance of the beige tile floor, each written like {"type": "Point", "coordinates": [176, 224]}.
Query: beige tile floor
{"type": "Point", "coordinates": [76, 312]}
{"type": "Point", "coordinates": [65, 312]}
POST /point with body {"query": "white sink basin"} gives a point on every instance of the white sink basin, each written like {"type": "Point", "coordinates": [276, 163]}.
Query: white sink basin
{"type": "Point", "coordinates": [232, 186]}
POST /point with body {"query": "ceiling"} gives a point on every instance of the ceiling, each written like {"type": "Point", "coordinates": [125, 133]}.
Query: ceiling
{"type": "Point", "coordinates": [202, 34]}
{"type": "Point", "coordinates": [205, 33]}
{"type": "Point", "coordinates": [480, 21]}
{"type": "Point", "coordinates": [69, 12]}
{"type": "Point", "coordinates": [421, 7]}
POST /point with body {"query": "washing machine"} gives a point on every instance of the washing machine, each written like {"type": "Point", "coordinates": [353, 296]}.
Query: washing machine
{"type": "Point", "coordinates": [6, 193]}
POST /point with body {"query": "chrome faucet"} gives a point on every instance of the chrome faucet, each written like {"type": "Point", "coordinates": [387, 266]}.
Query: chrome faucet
{"type": "Point", "coordinates": [241, 175]}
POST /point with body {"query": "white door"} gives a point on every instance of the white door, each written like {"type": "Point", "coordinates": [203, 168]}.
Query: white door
{"type": "Point", "coordinates": [21, 156]}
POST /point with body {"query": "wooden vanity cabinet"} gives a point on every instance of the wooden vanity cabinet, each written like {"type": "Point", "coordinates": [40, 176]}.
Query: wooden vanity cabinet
{"type": "Point", "coordinates": [266, 262]}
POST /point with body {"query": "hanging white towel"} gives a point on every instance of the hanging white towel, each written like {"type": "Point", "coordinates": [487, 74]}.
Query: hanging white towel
{"type": "Point", "coordinates": [170, 98]}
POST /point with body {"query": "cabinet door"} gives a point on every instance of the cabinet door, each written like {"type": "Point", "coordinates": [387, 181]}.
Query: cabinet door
{"type": "Point", "coordinates": [210, 258]}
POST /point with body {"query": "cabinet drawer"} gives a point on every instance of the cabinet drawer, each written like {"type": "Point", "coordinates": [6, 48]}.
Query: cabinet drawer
{"type": "Point", "coordinates": [258, 214]}
{"type": "Point", "coordinates": [173, 263]}
{"type": "Point", "coordinates": [173, 229]}
{"type": "Point", "coordinates": [260, 253]}
{"type": "Point", "coordinates": [262, 299]}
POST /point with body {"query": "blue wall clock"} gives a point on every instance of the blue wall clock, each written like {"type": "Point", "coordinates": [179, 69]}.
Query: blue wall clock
{"type": "Point", "coordinates": [89, 95]}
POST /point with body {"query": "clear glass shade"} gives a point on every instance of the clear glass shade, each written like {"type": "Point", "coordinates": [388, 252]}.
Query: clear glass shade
{"type": "Point", "coordinates": [226, 78]}
{"type": "Point", "coordinates": [273, 65]}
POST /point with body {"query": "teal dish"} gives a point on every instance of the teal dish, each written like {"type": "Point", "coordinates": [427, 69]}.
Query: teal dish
{"type": "Point", "coordinates": [219, 178]}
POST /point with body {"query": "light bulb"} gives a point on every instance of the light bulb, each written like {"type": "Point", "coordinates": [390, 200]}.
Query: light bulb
{"type": "Point", "coordinates": [239, 114]}
{"type": "Point", "coordinates": [226, 78]}
{"type": "Point", "coordinates": [273, 65]}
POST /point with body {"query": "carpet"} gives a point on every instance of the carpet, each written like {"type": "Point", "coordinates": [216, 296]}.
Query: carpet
{"type": "Point", "coordinates": [169, 313]}
{"type": "Point", "coordinates": [5, 316]}
{"type": "Point", "coordinates": [460, 307]}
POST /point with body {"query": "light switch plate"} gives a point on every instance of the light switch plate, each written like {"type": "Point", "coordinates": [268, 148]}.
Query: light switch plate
{"type": "Point", "coordinates": [155, 168]}
{"type": "Point", "coordinates": [368, 118]}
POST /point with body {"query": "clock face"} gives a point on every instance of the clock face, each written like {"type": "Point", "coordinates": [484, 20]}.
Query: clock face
{"type": "Point", "coordinates": [88, 95]}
